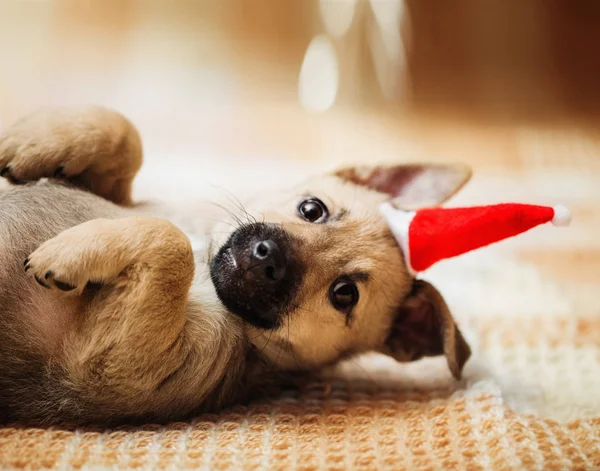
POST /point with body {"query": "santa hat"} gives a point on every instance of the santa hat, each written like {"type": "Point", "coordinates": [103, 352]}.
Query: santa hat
{"type": "Point", "coordinates": [427, 236]}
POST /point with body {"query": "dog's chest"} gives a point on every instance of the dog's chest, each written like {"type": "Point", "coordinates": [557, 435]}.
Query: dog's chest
{"type": "Point", "coordinates": [195, 220]}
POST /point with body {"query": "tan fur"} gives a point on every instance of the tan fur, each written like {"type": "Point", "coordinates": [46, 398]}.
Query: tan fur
{"type": "Point", "coordinates": [96, 148]}
{"type": "Point", "coordinates": [359, 242]}
{"type": "Point", "coordinates": [129, 321]}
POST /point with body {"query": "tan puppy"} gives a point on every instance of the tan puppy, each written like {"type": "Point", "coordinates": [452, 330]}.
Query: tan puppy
{"type": "Point", "coordinates": [107, 314]}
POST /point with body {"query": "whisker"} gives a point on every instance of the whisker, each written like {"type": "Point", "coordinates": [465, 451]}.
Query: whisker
{"type": "Point", "coordinates": [254, 338]}
{"type": "Point", "coordinates": [355, 362]}
{"type": "Point", "coordinates": [278, 355]}
{"type": "Point", "coordinates": [221, 232]}
{"type": "Point", "coordinates": [290, 346]}
{"type": "Point", "coordinates": [232, 198]}
{"type": "Point", "coordinates": [216, 220]}
{"type": "Point", "coordinates": [266, 343]}
{"type": "Point", "coordinates": [228, 211]}
{"type": "Point", "coordinates": [251, 219]}
{"type": "Point", "coordinates": [236, 202]}
{"type": "Point", "coordinates": [306, 310]}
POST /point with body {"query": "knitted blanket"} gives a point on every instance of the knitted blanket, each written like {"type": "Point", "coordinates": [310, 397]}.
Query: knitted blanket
{"type": "Point", "coordinates": [347, 424]}
{"type": "Point", "coordinates": [530, 397]}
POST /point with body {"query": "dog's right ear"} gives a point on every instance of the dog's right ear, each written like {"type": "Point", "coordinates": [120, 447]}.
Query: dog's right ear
{"type": "Point", "coordinates": [411, 186]}
{"type": "Point", "coordinates": [424, 326]}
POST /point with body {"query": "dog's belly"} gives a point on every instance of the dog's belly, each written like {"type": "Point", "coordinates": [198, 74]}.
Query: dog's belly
{"type": "Point", "coordinates": [46, 319]}
{"type": "Point", "coordinates": [31, 315]}
{"type": "Point", "coordinates": [33, 214]}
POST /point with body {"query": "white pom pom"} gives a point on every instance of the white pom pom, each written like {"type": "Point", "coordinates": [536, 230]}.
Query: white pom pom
{"type": "Point", "coordinates": [562, 216]}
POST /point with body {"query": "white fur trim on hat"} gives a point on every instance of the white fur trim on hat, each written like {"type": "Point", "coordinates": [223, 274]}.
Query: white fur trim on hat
{"type": "Point", "coordinates": [562, 216]}
{"type": "Point", "coordinates": [399, 222]}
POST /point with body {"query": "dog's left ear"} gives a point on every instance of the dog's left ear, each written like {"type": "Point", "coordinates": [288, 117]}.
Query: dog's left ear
{"type": "Point", "coordinates": [423, 326]}
{"type": "Point", "coordinates": [411, 186]}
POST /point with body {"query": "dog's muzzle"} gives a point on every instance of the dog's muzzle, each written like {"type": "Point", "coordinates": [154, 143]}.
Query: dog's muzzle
{"type": "Point", "coordinates": [256, 274]}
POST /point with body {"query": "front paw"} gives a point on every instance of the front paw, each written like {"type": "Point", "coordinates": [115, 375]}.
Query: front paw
{"type": "Point", "coordinates": [54, 273]}
{"type": "Point", "coordinates": [74, 259]}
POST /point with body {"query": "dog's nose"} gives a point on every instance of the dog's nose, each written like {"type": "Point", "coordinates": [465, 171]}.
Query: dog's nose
{"type": "Point", "coordinates": [268, 262]}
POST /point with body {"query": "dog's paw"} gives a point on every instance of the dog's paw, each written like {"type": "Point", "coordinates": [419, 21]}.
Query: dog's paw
{"type": "Point", "coordinates": [75, 258]}
{"type": "Point", "coordinates": [44, 145]}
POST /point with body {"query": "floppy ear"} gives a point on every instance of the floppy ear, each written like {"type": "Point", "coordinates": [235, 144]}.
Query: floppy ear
{"type": "Point", "coordinates": [411, 186]}
{"type": "Point", "coordinates": [424, 327]}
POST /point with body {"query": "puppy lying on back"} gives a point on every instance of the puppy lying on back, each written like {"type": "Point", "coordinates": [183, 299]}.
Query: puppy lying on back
{"type": "Point", "coordinates": [107, 314]}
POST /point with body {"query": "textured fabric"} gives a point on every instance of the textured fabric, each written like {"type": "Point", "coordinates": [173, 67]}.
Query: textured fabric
{"type": "Point", "coordinates": [336, 427]}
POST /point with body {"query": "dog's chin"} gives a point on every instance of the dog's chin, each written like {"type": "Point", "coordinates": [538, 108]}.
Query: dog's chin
{"type": "Point", "coordinates": [239, 299]}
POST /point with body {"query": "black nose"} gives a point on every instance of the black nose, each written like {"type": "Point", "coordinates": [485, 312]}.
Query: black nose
{"type": "Point", "coordinates": [268, 262]}
{"type": "Point", "coordinates": [257, 274]}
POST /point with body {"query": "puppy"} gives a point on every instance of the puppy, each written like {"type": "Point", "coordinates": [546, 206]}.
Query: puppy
{"type": "Point", "coordinates": [107, 314]}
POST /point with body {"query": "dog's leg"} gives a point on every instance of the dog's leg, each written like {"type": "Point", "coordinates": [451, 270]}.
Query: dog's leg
{"type": "Point", "coordinates": [131, 335]}
{"type": "Point", "coordinates": [92, 147]}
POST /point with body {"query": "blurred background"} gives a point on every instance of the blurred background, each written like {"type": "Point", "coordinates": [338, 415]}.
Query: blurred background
{"type": "Point", "coordinates": [237, 92]}
{"type": "Point", "coordinates": [306, 78]}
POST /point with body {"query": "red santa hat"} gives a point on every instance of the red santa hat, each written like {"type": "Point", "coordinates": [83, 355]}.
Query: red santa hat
{"type": "Point", "coordinates": [427, 236]}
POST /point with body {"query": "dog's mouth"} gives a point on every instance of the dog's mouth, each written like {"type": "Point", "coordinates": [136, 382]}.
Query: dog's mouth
{"type": "Point", "coordinates": [228, 258]}
{"type": "Point", "coordinates": [256, 275]}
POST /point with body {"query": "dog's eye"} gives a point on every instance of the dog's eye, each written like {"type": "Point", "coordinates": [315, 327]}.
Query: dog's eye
{"type": "Point", "coordinates": [313, 210]}
{"type": "Point", "coordinates": [343, 295]}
